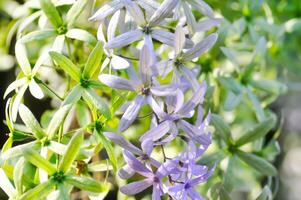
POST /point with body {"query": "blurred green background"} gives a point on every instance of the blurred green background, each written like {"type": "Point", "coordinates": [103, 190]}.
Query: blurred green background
{"type": "Point", "coordinates": [278, 21]}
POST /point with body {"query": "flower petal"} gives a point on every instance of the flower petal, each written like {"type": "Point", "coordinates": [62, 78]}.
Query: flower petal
{"type": "Point", "coordinates": [162, 12]}
{"type": "Point", "coordinates": [131, 113]}
{"type": "Point", "coordinates": [145, 63]}
{"type": "Point", "coordinates": [207, 24]}
{"type": "Point", "coordinates": [126, 172]}
{"type": "Point", "coordinates": [136, 165]}
{"type": "Point", "coordinates": [124, 39]}
{"type": "Point", "coordinates": [168, 38]}
{"type": "Point", "coordinates": [200, 48]}
{"type": "Point", "coordinates": [116, 82]}
{"type": "Point", "coordinates": [122, 142]}
{"type": "Point", "coordinates": [106, 10]}
{"type": "Point", "coordinates": [196, 99]}
{"type": "Point", "coordinates": [156, 133]}
{"type": "Point", "coordinates": [135, 11]}
{"type": "Point", "coordinates": [118, 62]}
{"type": "Point", "coordinates": [135, 187]}
{"type": "Point", "coordinates": [147, 146]}
{"type": "Point", "coordinates": [35, 90]}
{"type": "Point", "coordinates": [179, 40]}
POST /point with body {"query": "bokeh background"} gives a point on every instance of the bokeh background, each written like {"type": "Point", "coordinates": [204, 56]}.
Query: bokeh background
{"type": "Point", "coordinates": [279, 21]}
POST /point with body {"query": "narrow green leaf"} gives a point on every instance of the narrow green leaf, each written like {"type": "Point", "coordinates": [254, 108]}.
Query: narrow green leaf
{"type": "Point", "coordinates": [94, 61]}
{"type": "Point", "coordinates": [99, 167]}
{"type": "Point", "coordinates": [232, 101]}
{"type": "Point", "coordinates": [221, 128]}
{"type": "Point", "coordinates": [74, 95]}
{"type": "Point", "coordinates": [6, 185]}
{"type": "Point", "coordinates": [40, 162]}
{"type": "Point", "coordinates": [230, 84]}
{"type": "Point", "coordinates": [257, 131]}
{"type": "Point", "coordinates": [231, 56]}
{"type": "Point", "coordinates": [31, 122]}
{"type": "Point", "coordinates": [260, 115]}
{"type": "Point", "coordinates": [71, 152]}
{"type": "Point", "coordinates": [82, 35]}
{"type": "Point", "coordinates": [18, 175]}
{"type": "Point", "coordinates": [38, 35]}
{"type": "Point", "coordinates": [86, 184]}
{"type": "Point", "coordinates": [39, 192]}
{"type": "Point", "coordinates": [63, 193]}
{"type": "Point", "coordinates": [19, 150]}
{"type": "Point", "coordinates": [57, 120]}
{"type": "Point", "coordinates": [229, 175]}
{"type": "Point", "coordinates": [52, 13]}
{"type": "Point", "coordinates": [109, 149]}
{"type": "Point", "coordinates": [271, 150]}
{"type": "Point", "coordinates": [271, 86]}
{"type": "Point", "coordinates": [258, 163]}
{"type": "Point", "coordinates": [266, 194]}
{"type": "Point", "coordinates": [91, 97]}
{"type": "Point", "coordinates": [75, 11]}
{"type": "Point", "coordinates": [83, 114]}
{"type": "Point", "coordinates": [67, 65]}
{"type": "Point", "coordinates": [212, 159]}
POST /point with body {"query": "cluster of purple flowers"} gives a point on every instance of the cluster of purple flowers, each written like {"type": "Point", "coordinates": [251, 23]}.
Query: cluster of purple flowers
{"type": "Point", "coordinates": [144, 21]}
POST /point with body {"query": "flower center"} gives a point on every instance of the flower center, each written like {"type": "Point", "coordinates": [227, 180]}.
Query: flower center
{"type": "Point", "coordinates": [156, 179]}
{"type": "Point", "coordinates": [144, 157]}
{"type": "Point", "coordinates": [145, 91]}
{"type": "Point", "coordinates": [147, 30]}
{"type": "Point", "coordinates": [187, 186]}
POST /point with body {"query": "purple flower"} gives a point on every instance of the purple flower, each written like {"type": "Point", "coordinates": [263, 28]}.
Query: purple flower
{"type": "Point", "coordinates": [174, 119]}
{"type": "Point", "coordinates": [145, 86]}
{"type": "Point", "coordinates": [151, 178]}
{"type": "Point", "coordinates": [144, 154]}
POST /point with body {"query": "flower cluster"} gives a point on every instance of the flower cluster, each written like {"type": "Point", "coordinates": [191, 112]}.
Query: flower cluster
{"type": "Point", "coordinates": [145, 22]}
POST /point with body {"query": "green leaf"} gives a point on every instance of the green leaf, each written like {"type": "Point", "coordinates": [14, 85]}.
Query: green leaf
{"type": "Point", "coordinates": [271, 86]}
{"type": "Point", "coordinates": [93, 62]}
{"type": "Point", "coordinates": [67, 65]}
{"type": "Point", "coordinates": [91, 97]}
{"type": "Point", "coordinates": [63, 193]}
{"type": "Point", "coordinates": [271, 150]}
{"type": "Point", "coordinates": [230, 84]}
{"type": "Point", "coordinates": [52, 13]}
{"type": "Point", "coordinates": [99, 167]}
{"type": "Point", "coordinates": [256, 105]}
{"type": "Point", "coordinates": [57, 119]}
{"type": "Point", "coordinates": [40, 162]}
{"type": "Point", "coordinates": [109, 149]}
{"type": "Point", "coordinates": [81, 35]}
{"type": "Point", "coordinates": [213, 158]}
{"type": "Point", "coordinates": [266, 194]}
{"type": "Point", "coordinates": [257, 131]}
{"type": "Point", "coordinates": [232, 101]}
{"type": "Point", "coordinates": [71, 152]}
{"type": "Point", "coordinates": [86, 184]}
{"type": "Point", "coordinates": [39, 192]}
{"type": "Point", "coordinates": [6, 185]}
{"type": "Point", "coordinates": [18, 175]}
{"type": "Point", "coordinates": [221, 128]}
{"type": "Point", "coordinates": [229, 175]}
{"type": "Point", "coordinates": [257, 163]}
{"type": "Point", "coordinates": [83, 114]}
{"type": "Point", "coordinates": [31, 122]}
{"type": "Point", "coordinates": [38, 35]}
{"type": "Point", "coordinates": [19, 150]}
{"type": "Point", "coordinates": [74, 95]}
{"type": "Point", "coordinates": [231, 56]}
{"type": "Point", "coordinates": [75, 11]}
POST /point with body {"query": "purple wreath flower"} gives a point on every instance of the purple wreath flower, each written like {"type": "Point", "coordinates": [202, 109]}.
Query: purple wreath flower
{"type": "Point", "coordinates": [151, 178]}
{"type": "Point", "coordinates": [144, 154]}
{"type": "Point", "coordinates": [174, 119]}
{"type": "Point", "coordinates": [145, 86]}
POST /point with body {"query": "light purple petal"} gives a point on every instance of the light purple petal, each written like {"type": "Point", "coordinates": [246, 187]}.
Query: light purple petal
{"type": "Point", "coordinates": [163, 11]}
{"type": "Point", "coordinates": [200, 48]}
{"type": "Point", "coordinates": [136, 165]}
{"type": "Point", "coordinates": [135, 187]}
{"type": "Point", "coordinates": [116, 82]}
{"type": "Point", "coordinates": [135, 11]}
{"type": "Point", "coordinates": [164, 90]}
{"type": "Point", "coordinates": [131, 113]}
{"type": "Point", "coordinates": [122, 142]}
{"type": "Point", "coordinates": [168, 38]}
{"type": "Point", "coordinates": [157, 132]}
{"type": "Point", "coordinates": [145, 63]}
{"type": "Point", "coordinates": [195, 100]}
{"type": "Point", "coordinates": [194, 194]}
{"type": "Point", "coordinates": [126, 172]}
{"type": "Point", "coordinates": [147, 146]}
{"type": "Point", "coordinates": [167, 168]}
{"type": "Point", "coordinates": [124, 39]}
{"type": "Point", "coordinates": [156, 192]}
{"type": "Point", "coordinates": [106, 10]}
{"type": "Point", "coordinates": [155, 107]}
{"type": "Point", "coordinates": [207, 24]}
